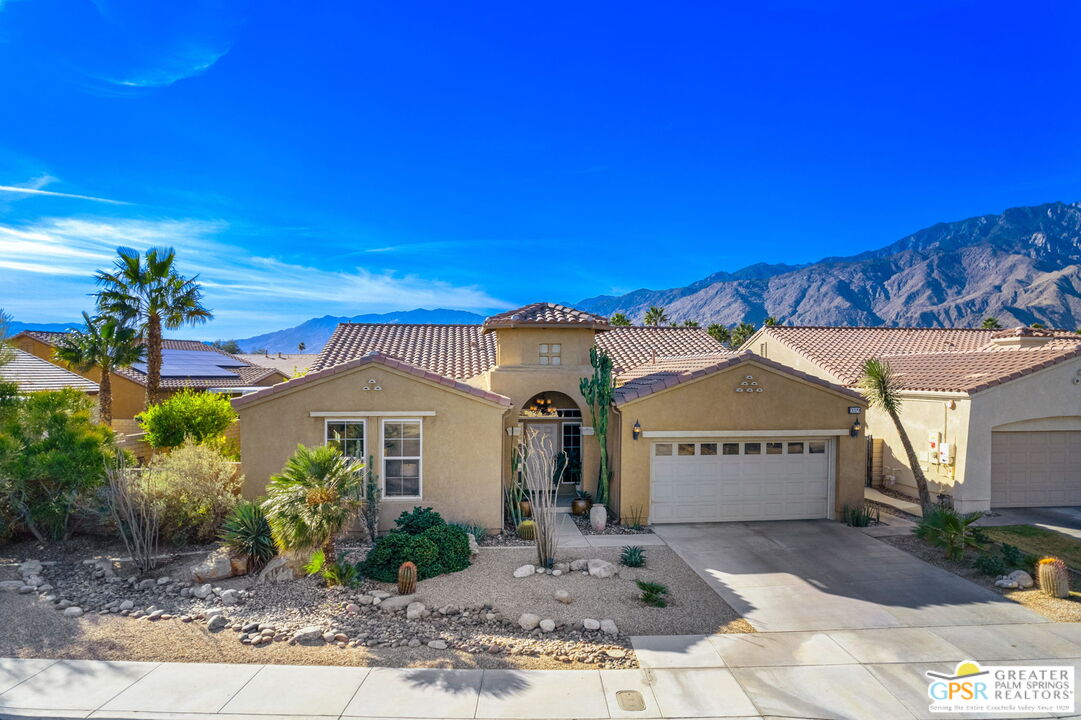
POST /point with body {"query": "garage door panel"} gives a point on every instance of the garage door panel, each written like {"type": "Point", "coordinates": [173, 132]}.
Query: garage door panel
{"type": "Point", "coordinates": [776, 481]}
{"type": "Point", "coordinates": [1035, 469]}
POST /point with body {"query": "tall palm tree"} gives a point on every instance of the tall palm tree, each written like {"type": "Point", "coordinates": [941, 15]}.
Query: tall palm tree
{"type": "Point", "coordinates": [770, 321]}
{"type": "Point", "coordinates": [149, 294]}
{"type": "Point", "coordinates": [720, 333]}
{"type": "Point", "coordinates": [619, 320]}
{"type": "Point", "coordinates": [656, 316]}
{"type": "Point", "coordinates": [310, 502]}
{"type": "Point", "coordinates": [880, 389]}
{"type": "Point", "coordinates": [991, 323]}
{"type": "Point", "coordinates": [106, 344]}
{"type": "Point", "coordinates": [741, 332]}
{"type": "Point", "coordinates": [690, 323]}
{"type": "Point", "coordinates": [5, 330]}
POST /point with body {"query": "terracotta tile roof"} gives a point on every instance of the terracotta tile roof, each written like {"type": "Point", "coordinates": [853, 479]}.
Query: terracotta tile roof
{"type": "Point", "coordinates": [33, 374]}
{"type": "Point", "coordinates": [367, 359]}
{"type": "Point", "coordinates": [633, 345]}
{"type": "Point", "coordinates": [545, 314]}
{"type": "Point", "coordinates": [456, 351]}
{"type": "Point", "coordinates": [668, 372]}
{"type": "Point", "coordinates": [246, 374]}
{"type": "Point", "coordinates": [843, 350]}
{"type": "Point", "coordinates": [288, 363]}
{"type": "Point", "coordinates": [972, 372]}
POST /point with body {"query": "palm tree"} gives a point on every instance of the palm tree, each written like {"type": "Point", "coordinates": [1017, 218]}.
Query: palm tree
{"type": "Point", "coordinates": [106, 344]}
{"type": "Point", "coordinates": [310, 502]}
{"type": "Point", "coordinates": [619, 320]}
{"type": "Point", "coordinates": [1038, 325]}
{"type": "Point", "coordinates": [301, 347]}
{"type": "Point", "coordinates": [690, 323]}
{"type": "Point", "coordinates": [148, 296]}
{"type": "Point", "coordinates": [655, 316]}
{"type": "Point", "coordinates": [770, 321]}
{"type": "Point", "coordinates": [5, 351]}
{"type": "Point", "coordinates": [880, 389]}
{"type": "Point", "coordinates": [991, 323]}
{"type": "Point", "coordinates": [720, 333]}
{"type": "Point", "coordinates": [741, 332]}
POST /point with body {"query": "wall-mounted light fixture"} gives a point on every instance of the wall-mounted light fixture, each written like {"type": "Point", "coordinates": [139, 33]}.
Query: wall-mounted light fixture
{"type": "Point", "coordinates": [636, 431]}
{"type": "Point", "coordinates": [855, 431]}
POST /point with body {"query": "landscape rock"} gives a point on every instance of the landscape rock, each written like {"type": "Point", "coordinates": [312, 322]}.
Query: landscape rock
{"type": "Point", "coordinates": [547, 625]}
{"type": "Point", "coordinates": [230, 597]}
{"type": "Point", "coordinates": [277, 570]}
{"type": "Point", "coordinates": [216, 623]}
{"type": "Point", "coordinates": [126, 605]}
{"type": "Point", "coordinates": [10, 585]}
{"type": "Point", "coordinates": [598, 518]}
{"type": "Point", "coordinates": [30, 567]}
{"type": "Point", "coordinates": [203, 591]}
{"type": "Point", "coordinates": [608, 627]}
{"type": "Point", "coordinates": [525, 571]}
{"type": "Point", "coordinates": [73, 611]}
{"type": "Point", "coordinates": [379, 594]}
{"type": "Point", "coordinates": [438, 644]}
{"type": "Point", "coordinates": [591, 624]}
{"type": "Point", "coordinates": [1022, 578]}
{"type": "Point", "coordinates": [601, 568]}
{"type": "Point", "coordinates": [216, 566]}
{"type": "Point", "coordinates": [474, 548]}
{"type": "Point", "coordinates": [563, 596]}
{"type": "Point", "coordinates": [529, 621]}
{"type": "Point", "coordinates": [311, 635]}
{"type": "Point", "coordinates": [415, 611]}
{"type": "Point", "coordinates": [579, 565]}
{"type": "Point", "coordinates": [396, 602]}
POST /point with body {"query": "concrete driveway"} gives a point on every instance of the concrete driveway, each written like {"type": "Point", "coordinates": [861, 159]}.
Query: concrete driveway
{"type": "Point", "coordinates": [822, 575]}
{"type": "Point", "coordinates": [1066, 519]}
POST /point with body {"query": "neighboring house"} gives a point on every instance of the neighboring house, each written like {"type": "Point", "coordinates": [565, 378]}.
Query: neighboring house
{"type": "Point", "coordinates": [291, 364]}
{"type": "Point", "coordinates": [697, 433]}
{"type": "Point", "coordinates": [995, 416]}
{"type": "Point", "coordinates": [185, 364]}
{"type": "Point", "coordinates": [32, 374]}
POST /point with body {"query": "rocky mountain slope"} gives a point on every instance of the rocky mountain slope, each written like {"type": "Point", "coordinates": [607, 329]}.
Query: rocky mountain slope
{"type": "Point", "coordinates": [1022, 266]}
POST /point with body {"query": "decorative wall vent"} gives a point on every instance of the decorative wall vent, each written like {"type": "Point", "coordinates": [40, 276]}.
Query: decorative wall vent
{"type": "Point", "coordinates": [749, 384]}
{"type": "Point", "coordinates": [372, 385]}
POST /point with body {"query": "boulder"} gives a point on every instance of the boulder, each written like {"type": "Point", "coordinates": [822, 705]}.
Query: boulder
{"type": "Point", "coordinates": [415, 611]}
{"type": "Point", "coordinates": [203, 591]}
{"type": "Point", "coordinates": [30, 567]}
{"type": "Point", "coordinates": [547, 625]}
{"type": "Point", "coordinates": [230, 597]}
{"type": "Point", "coordinates": [438, 644]}
{"type": "Point", "coordinates": [379, 594]}
{"type": "Point", "coordinates": [10, 585]}
{"type": "Point", "coordinates": [563, 596]}
{"type": "Point", "coordinates": [591, 624]}
{"type": "Point", "coordinates": [598, 518]}
{"type": "Point", "coordinates": [217, 565]}
{"type": "Point", "coordinates": [73, 611]}
{"type": "Point", "coordinates": [279, 569]}
{"type": "Point", "coordinates": [579, 565]}
{"type": "Point", "coordinates": [397, 602]}
{"type": "Point", "coordinates": [1022, 578]}
{"type": "Point", "coordinates": [601, 568]}
{"type": "Point", "coordinates": [474, 548]}
{"type": "Point", "coordinates": [238, 564]}
{"type": "Point", "coordinates": [216, 623]}
{"type": "Point", "coordinates": [34, 580]}
{"type": "Point", "coordinates": [608, 627]}
{"type": "Point", "coordinates": [529, 621]}
{"type": "Point", "coordinates": [525, 571]}
{"type": "Point", "coordinates": [311, 635]}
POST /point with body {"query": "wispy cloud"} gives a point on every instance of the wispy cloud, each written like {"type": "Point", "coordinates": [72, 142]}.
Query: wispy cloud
{"type": "Point", "coordinates": [52, 193]}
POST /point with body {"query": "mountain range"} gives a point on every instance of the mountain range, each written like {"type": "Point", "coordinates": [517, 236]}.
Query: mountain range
{"type": "Point", "coordinates": [1021, 266]}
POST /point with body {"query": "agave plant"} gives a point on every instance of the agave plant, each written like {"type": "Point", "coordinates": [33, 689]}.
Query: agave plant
{"type": "Point", "coordinates": [247, 533]}
{"type": "Point", "coordinates": [313, 498]}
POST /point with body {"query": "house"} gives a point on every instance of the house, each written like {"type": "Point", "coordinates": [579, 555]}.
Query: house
{"type": "Point", "coordinates": [185, 364]}
{"type": "Point", "coordinates": [696, 433]}
{"type": "Point", "coordinates": [291, 364]}
{"type": "Point", "coordinates": [994, 415]}
{"type": "Point", "coordinates": [32, 374]}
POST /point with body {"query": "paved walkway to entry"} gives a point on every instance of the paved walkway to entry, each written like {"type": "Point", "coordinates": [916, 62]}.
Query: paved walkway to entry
{"type": "Point", "coordinates": [822, 575]}
{"type": "Point", "coordinates": [857, 674]}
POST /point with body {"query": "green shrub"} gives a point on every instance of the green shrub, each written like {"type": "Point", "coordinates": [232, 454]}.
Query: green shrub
{"type": "Point", "coordinates": [393, 549]}
{"type": "Point", "coordinates": [632, 556]}
{"type": "Point", "coordinates": [417, 520]}
{"type": "Point", "coordinates": [453, 546]}
{"type": "Point", "coordinates": [954, 533]}
{"type": "Point", "coordinates": [652, 593]}
{"type": "Point", "coordinates": [246, 532]}
{"type": "Point", "coordinates": [477, 531]}
{"type": "Point", "coordinates": [196, 489]}
{"type": "Point", "coordinates": [1013, 555]}
{"type": "Point", "coordinates": [187, 415]}
{"type": "Point", "coordinates": [990, 564]}
{"type": "Point", "coordinates": [51, 455]}
{"type": "Point", "coordinates": [338, 573]}
{"type": "Point", "coordinates": [860, 515]}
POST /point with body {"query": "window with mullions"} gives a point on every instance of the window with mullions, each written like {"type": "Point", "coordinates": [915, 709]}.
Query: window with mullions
{"type": "Point", "coordinates": [347, 436]}
{"type": "Point", "coordinates": [401, 458]}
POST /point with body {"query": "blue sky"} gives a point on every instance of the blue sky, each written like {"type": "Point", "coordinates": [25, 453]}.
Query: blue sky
{"type": "Point", "coordinates": [348, 157]}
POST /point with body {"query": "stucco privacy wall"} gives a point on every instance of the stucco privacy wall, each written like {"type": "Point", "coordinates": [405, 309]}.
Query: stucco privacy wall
{"type": "Point", "coordinates": [711, 403]}
{"type": "Point", "coordinates": [460, 450]}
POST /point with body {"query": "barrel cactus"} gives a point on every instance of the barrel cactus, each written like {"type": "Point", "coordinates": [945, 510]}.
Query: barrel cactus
{"type": "Point", "coordinates": [1053, 577]}
{"type": "Point", "coordinates": [527, 530]}
{"type": "Point", "coordinates": [407, 578]}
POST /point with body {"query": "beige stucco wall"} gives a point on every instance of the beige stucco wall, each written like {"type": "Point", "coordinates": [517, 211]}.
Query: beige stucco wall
{"type": "Point", "coordinates": [461, 458]}
{"type": "Point", "coordinates": [711, 403]}
{"type": "Point", "coordinates": [772, 349]}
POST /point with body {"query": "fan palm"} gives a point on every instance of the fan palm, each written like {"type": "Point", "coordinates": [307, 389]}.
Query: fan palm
{"type": "Point", "coordinates": [148, 293]}
{"type": "Point", "coordinates": [880, 388]}
{"type": "Point", "coordinates": [770, 321]}
{"type": "Point", "coordinates": [656, 316]}
{"type": "Point", "coordinates": [5, 324]}
{"type": "Point", "coordinates": [953, 533]}
{"type": "Point", "coordinates": [310, 502]}
{"type": "Point", "coordinates": [720, 333]}
{"type": "Point", "coordinates": [619, 320]}
{"type": "Point", "coordinates": [991, 323]}
{"type": "Point", "coordinates": [105, 344]}
{"type": "Point", "coordinates": [741, 333]}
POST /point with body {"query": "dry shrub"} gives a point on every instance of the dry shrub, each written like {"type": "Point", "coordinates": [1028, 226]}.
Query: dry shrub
{"type": "Point", "coordinates": [196, 488]}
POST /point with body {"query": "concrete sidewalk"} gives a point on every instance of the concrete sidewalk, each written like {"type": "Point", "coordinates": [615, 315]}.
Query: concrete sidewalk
{"type": "Point", "coordinates": [838, 674]}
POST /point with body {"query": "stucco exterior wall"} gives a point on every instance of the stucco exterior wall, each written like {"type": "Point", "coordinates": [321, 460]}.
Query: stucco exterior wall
{"type": "Point", "coordinates": [461, 458]}
{"type": "Point", "coordinates": [773, 349]}
{"type": "Point", "coordinates": [711, 403]}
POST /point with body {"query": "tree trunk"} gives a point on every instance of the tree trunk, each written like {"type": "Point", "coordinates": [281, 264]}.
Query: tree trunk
{"type": "Point", "coordinates": [330, 552]}
{"type": "Point", "coordinates": [914, 463]}
{"type": "Point", "coordinates": [105, 398]}
{"type": "Point", "coordinates": [153, 360]}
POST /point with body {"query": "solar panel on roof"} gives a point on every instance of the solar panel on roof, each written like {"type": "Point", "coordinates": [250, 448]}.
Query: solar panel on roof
{"type": "Point", "coordinates": [194, 363]}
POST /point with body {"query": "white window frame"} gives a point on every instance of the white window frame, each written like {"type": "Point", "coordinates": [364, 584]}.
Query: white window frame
{"type": "Point", "coordinates": [418, 458]}
{"type": "Point", "coordinates": [362, 421]}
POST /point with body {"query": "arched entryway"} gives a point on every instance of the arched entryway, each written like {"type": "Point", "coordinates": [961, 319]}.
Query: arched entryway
{"type": "Point", "coordinates": [558, 415]}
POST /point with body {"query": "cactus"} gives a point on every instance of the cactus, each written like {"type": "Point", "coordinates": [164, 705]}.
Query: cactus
{"type": "Point", "coordinates": [527, 530]}
{"type": "Point", "coordinates": [1053, 577]}
{"type": "Point", "coordinates": [407, 579]}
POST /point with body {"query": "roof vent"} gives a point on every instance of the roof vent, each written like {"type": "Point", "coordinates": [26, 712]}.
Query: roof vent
{"type": "Point", "coordinates": [1022, 337]}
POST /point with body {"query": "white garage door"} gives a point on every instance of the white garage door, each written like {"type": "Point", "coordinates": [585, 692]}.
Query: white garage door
{"type": "Point", "coordinates": [722, 479]}
{"type": "Point", "coordinates": [1035, 469]}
